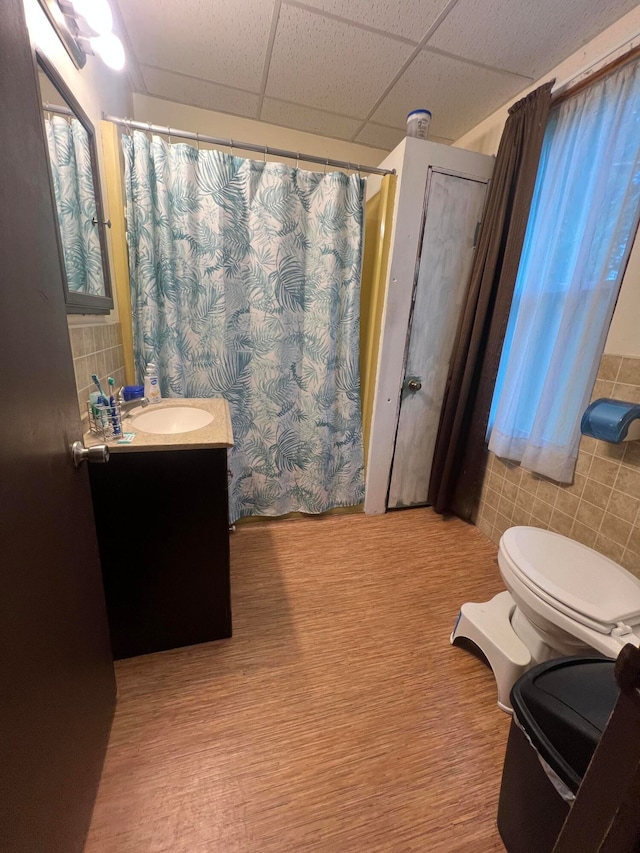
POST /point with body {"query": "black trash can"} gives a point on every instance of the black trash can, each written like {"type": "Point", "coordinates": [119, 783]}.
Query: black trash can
{"type": "Point", "coordinates": [561, 708]}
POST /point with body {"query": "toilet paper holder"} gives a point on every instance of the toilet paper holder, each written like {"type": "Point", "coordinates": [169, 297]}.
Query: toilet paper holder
{"type": "Point", "coordinates": [611, 420]}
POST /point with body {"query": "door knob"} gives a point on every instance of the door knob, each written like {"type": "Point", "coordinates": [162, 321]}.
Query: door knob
{"type": "Point", "coordinates": [414, 385]}
{"type": "Point", "coordinates": [80, 453]}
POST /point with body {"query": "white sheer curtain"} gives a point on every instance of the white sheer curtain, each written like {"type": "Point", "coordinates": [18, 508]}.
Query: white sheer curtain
{"type": "Point", "coordinates": [581, 226]}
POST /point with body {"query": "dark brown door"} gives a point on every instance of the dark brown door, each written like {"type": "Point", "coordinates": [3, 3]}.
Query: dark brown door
{"type": "Point", "coordinates": [57, 687]}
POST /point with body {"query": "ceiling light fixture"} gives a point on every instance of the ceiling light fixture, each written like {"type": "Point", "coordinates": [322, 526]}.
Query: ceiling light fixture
{"type": "Point", "coordinates": [110, 50]}
{"type": "Point", "coordinates": [97, 14]}
{"type": "Point", "coordinates": [85, 27]}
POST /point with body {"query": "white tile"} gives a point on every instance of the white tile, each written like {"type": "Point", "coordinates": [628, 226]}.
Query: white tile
{"type": "Point", "coordinates": [224, 41]}
{"type": "Point", "coordinates": [323, 63]}
{"type": "Point", "coordinates": [524, 36]}
{"type": "Point", "coordinates": [459, 95]}
{"type": "Point", "coordinates": [199, 93]}
{"type": "Point", "coordinates": [304, 118]}
{"type": "Point", "coordinates": [410, 19]}
{"type": "Point", "coordinates": [380, 136]}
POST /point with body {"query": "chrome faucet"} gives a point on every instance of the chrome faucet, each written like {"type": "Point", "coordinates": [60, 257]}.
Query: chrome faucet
{"type": "Point", "coordinates": [127, 405]}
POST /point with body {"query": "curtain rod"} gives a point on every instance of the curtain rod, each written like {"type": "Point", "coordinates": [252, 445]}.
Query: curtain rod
{"type": "Point", "coordinates": [52, 108]}
{"type": "Point", "coordinates": [246, 146]}
{"type": "Point", "coordinates": [597, 69]}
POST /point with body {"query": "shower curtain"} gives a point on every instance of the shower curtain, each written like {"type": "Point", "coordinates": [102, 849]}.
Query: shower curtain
{"type": "Point", "coordinates": [245, 284]}
{"type": "Point", "coordinates": [72, 175]}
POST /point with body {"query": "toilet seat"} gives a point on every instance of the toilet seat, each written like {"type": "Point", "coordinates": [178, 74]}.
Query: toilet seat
{"type": "Point", "coordinates": [511, 572]}
{"type": "Point", "coordinates": [563, 632]}
{"type": "Point", "coordinates": [581, 583]}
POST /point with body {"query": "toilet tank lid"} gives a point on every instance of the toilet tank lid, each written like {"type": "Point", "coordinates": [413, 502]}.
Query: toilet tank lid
{"type": "Point", "coordinates": [579, 577]}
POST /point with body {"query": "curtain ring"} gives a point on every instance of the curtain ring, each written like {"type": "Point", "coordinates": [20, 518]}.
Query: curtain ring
{"type": "Point", "coordinates": [265, 153]}
{"type": "Point", "coordinates": [298, 160]}
{"type": "Point", "coordinates": [149, 131]}
{"type": "Point", "coordinates": [198, 140]}
{"type": "Point", "coordinates": [231, 147]}
{"type": "Point", "coordinates": [326, 165]}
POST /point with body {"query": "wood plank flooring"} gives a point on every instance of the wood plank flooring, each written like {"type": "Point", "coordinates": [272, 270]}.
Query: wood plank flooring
{"type": "Point", "coordinates": [338, 718]}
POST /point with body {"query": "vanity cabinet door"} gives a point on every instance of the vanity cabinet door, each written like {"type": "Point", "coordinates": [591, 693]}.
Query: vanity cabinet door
{"type": "Point", "coordinates": [163, 532]}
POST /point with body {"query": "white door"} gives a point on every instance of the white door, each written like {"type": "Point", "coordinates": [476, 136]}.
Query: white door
{"type": "Point", "coordinates": [453, 208]}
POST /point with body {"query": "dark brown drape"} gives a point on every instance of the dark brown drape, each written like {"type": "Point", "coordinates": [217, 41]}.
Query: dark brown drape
{"type": "Point", "coordinates": [460, 452]}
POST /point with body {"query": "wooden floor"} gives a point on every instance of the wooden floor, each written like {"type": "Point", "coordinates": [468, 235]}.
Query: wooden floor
{"type": "Point", "coordinates": [337, 719]}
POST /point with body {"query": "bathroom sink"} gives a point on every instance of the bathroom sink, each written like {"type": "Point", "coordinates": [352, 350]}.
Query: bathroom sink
{"type": "Point", "coordinates": [172, 420]}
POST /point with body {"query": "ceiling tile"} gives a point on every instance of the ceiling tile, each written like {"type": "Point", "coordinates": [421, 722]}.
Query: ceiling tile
{"type": "Point", "coordinates": [323, 63]}
{"type": "Point", "coordinates": [527, 37]}
{"type": "Point", "coordinates": [199, 93]}
{"type": "Point", "coordinates": [410, 18]}
{"type": "Point", "coordinates": [459, 95]}
{"type": "Point", "coordinates": [380, 136]}
{"type": "Point", "coordinates": [304, 118]}
{"type": "Point", "coordinates": [224, 41]}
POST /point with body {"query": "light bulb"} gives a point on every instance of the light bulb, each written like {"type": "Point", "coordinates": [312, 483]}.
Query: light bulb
{"type": "Point", "coordinates": [97, 13]}
{"type": "Point", "coordinates": [110, 50]}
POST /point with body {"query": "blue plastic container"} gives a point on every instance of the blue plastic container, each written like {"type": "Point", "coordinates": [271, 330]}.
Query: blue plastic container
{"type": "Point", "coordinates": [133, 392]}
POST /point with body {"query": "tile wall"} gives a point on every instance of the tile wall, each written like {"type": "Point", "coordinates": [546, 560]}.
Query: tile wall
{"type": "Point", "coordinates": [601, 508]}
{"type": "Point", "coordinates": [97, 349]}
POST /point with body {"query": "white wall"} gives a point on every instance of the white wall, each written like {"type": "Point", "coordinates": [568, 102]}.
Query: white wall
{"type": "Point", "coordinates": [184, 117]}
{"type": "Point", "coordinates": [96, 87]}
{"type": "Point", "coordinates": [624, 338]}
{"type": "Point", "coordinates": [624, 332]}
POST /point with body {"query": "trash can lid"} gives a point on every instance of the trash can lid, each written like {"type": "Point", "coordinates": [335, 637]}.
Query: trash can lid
{"type": "Point", "coordinates": [563, 706]}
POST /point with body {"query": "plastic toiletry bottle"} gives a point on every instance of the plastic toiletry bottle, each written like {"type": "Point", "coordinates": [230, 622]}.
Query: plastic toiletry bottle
{"type": "Point", "coordinates": [418, 122]}
{"type": "Point", "coordinates": [152, 384]}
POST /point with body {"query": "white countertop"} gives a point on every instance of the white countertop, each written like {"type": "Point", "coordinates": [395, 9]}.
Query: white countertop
{"type": "Point", "coordinates": [216, 434]}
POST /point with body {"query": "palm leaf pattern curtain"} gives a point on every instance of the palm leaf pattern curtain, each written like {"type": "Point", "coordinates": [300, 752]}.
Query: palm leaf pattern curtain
{"type": "Point", "coordinates": [245, 281]}
{"type": "Point", "coordinates": [72, 175]}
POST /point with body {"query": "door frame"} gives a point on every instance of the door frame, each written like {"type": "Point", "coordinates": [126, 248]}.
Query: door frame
{"type": "Point", "coordinates": [412, 160]}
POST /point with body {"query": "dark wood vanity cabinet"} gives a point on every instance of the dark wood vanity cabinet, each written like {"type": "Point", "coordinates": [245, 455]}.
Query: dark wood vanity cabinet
{"type": "Point", "coordinates": [163, 533]}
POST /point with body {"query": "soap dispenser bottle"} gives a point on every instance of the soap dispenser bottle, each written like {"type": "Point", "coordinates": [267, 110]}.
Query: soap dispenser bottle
{"type": "Point", "coordinates": [152, 384]}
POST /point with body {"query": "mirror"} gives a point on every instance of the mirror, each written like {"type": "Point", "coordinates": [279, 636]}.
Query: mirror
{"type": "Point", "coordinates": [73, 169]}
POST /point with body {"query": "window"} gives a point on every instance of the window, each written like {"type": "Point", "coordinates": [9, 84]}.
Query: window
{"type": "Point", "coordinates": [584, 215]}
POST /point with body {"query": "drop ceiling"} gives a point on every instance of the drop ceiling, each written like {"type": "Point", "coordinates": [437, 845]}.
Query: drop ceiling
{"type": "Point", "coordinates": [353, 69]}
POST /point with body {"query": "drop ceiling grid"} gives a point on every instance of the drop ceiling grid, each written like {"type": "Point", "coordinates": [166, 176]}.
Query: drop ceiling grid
{"type": "Point", "coordinates": [224, 42]}
{"type": "Point", "coordinates": [460, 95]}
{"type": "Point", "coordinates": [314, 114]}
{"type": "Point", "coordinates": [370, 16]}
{"type": "Point", "coordinates": [288, 114]}
{"type": "Point", "coordinates": [324, 63]}
{"type": "Point", "coordinates": [527, 38]}
{"type": "Point", "coordinates": [186, 54]}
{"type": "Point", "coordinates": [424, 17]}
{"type": "Point", "coordinates": [197, 92]}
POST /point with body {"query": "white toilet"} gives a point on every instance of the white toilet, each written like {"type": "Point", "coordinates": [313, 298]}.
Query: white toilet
{"type": "Point", "coordinates": [563, 599]}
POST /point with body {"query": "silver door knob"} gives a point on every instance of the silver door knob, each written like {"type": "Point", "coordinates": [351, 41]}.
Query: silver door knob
{"type": "Point", "coordinates": [414, 385]}
{"type": "Point", "coordinates": [80, 453]}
